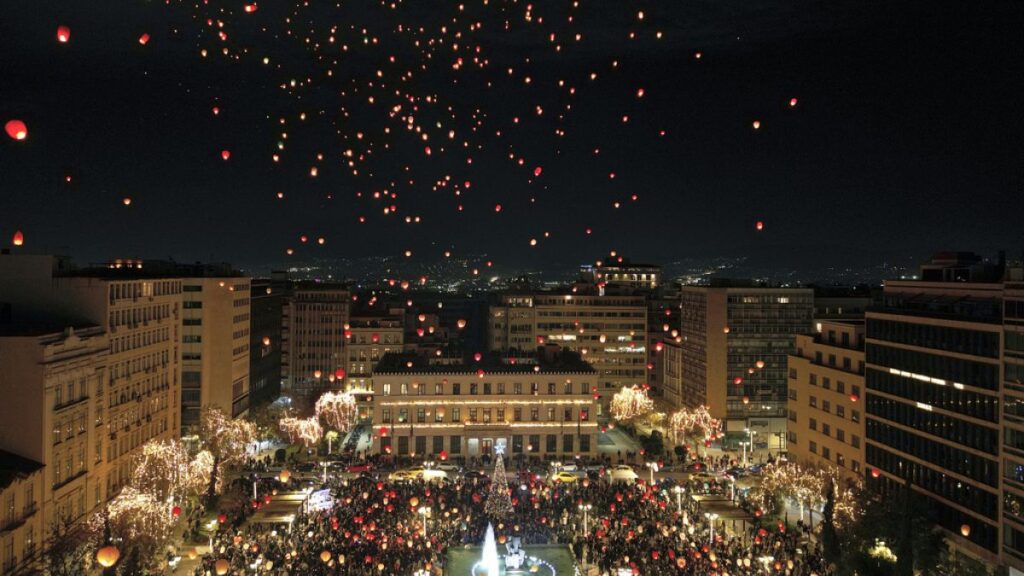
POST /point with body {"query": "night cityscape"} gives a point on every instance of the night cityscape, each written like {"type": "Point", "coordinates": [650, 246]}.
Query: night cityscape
{"type": "Point", "coordinates": [502, 288]}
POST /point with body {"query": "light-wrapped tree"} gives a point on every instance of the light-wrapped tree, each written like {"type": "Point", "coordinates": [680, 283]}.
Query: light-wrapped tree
{"type": "Point", "coordinates": [305, 431]}
{"type": "Point", "coordinates": [499, 502]}
{"type": "Point", "coordinates": [337, 410]}
{"type": "Point", "coordinates": [631, 403]}
{"type": "Point", "coordinates": [226, 439]}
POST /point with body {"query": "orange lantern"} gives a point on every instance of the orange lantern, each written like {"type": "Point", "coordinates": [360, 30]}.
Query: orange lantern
{"type": "Point", "coordinates": [965, 529]}
{"type": "Point", "coordinates": [63, 34]}
{"type": "Point", "coordinates": [108, 555]}
{"type": "Point", "coordinates": [18, 238]}
{"type": "Point", "coordinates": [222, 566]}
{"type": "Point", "coordinates": [144, 39]}
{"type": "Point", "coordinates": [325, 556]}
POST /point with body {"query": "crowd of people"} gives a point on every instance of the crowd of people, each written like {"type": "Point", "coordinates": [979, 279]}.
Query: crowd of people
{"type": "Point", "coordinates": [376, 527]}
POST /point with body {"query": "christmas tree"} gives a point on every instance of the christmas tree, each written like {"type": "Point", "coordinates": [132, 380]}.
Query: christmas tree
{"type": "Point", "coordinates": [499, 504]}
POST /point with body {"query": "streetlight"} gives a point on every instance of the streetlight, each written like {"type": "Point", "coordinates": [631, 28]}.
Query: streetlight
{"type": "Point", "coordinates": [424, 510]}
{"type": "Point", "coordinates": [679, 498]}
{"type": "Point", "coordinates": [586, 515]}
{"type": "Point", "coordinates": [654, 468]}
{"type": "Point", "coordinates": [711, 516]}
{"type": "Point", "coordinates": [255, 481]}
{"type": "Point", "coordinates": [750, 435]}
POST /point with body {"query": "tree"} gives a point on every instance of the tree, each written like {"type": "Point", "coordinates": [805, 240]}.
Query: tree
{"type": "Point", "coordinates": [829, 538]}
{"type": "Point", "coordinates": [162, 469]}
{"type": "Point", "coordinates": [628, 404]}
{"type": "Point", "coordinates": [139, 522]}
{"type": "Point", "coordinates": [695, 425]}
{"type": "Point", "coordinates": [306, 431]}
{"type": "Point", "coordinates": [499, 503]}
{"type": "Point", "coordinates": [338, 410]}
{"type": "Point", "coordinates": [226, 439]}
{"type": "Point", "coordinates": [66, 550]}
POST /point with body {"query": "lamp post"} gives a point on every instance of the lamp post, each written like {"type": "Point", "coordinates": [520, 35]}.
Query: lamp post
{"type": "Point", "coordinates": [679, 498]}
{"type": "Point", "coordinates": [586, 516]}
{"type": "Point", "coordinates": [711, 516]}
{"type": "Point", "coordinates": [424, 510]}
{"type": "Point", "coordinates": [750, 441]}
{"type": "Point", "coordinates": [255, 481]}
{"type": "Point", "coordinates": [653, 466]}
{"type": "Point", "coordinates": [324, 464]}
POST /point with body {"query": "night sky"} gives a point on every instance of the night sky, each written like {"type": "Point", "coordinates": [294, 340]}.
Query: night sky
{"type": "Point", "coordinates": [906, 136]}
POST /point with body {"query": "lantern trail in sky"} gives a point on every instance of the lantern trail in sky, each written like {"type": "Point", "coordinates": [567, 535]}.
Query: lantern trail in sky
{"type": "Point", "coordinates": [451, 125]}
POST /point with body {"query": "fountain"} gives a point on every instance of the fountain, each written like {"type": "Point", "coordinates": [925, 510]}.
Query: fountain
{"type": "Point", "coordinates": [489, 563]}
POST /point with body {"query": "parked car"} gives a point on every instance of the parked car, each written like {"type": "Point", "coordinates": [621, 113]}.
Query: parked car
{"type": "Point", "coordinates": [358, 467]}
{"type": "Point", "coordinates": [565, 477]}
{"type": "Point", "coordinates": [622, 473]}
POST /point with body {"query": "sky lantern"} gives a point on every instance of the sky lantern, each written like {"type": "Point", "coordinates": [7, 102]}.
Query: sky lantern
{"type": "Point", "coordinates": [127, 201]}
{"type": "Point", "coordinates": [461, 323]}
{"type": "Point", "coordinates": [225, 154]}
{"type": "Point", "coordinates": [16, 129]}
{"type": "Point", "coordinates": [965, 529]}
{"type": "Point", "coordinates": [537, 171]}
{"type": "Point", "coordinates": [63, 34]}
{"type": "Point", "coordinates": [759, 225]}
{"type": "Point", "coordinates": [108, 555]}
{"type": "Point", "coordinates": [18, 238]}
{"type": "Point", "coordinates": [759, 364]}
{"type": "Point", "coordinates": [250, 8]}
{"type": "Point", "coordinates": [792, 102]}
{"type": "Point", "coordinates": [497, 207]}
{"type": "Point", "coordinates": [216, 110]}
{"type": "Point", "coordinates": [144, 39]}
{"type": "Point", "coordinates": [756, 124]}
{"type": "Point", "coordinates": [339, 373]}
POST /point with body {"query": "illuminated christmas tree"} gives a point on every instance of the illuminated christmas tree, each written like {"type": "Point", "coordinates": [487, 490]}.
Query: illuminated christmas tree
{"type": "Point", "coordinates": [499, 504]}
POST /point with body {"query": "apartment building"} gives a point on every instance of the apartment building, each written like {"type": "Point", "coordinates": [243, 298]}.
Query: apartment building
{"type": "Point", "coordinates": [22, 530]}
{"type": "Point", "coordinates": [137, 396]}
{"type": "Point", "coordinates": [826, 399]}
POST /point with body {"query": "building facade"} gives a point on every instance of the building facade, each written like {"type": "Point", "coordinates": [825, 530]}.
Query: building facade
{"type": "Point", "coordinates": [313, 337]}
{"type": "Point", "coordinates": [933, 382]}
{"type": "Point", "coordinates": [368, 339]}
{"type": "Point", "coordinates": [826, 399]}
{"type": "Point", "coordinates": [139, 397]}
{"type": "Point", "coordinates": [736, 342]}
{"type": "Point", "coordinates": [22, 530]}
{"type": "Point", "coordinates": [451, 408]}
{"type": "Point", "coordinates": [266, 308]}
{"type": "Point", "coordinates": [608, 332]}
{"type": "Point", "coordinates": [215, 347]}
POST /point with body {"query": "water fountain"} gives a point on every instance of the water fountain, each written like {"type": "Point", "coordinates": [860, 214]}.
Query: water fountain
{"type": "Point", "coordinates": [489, 563]}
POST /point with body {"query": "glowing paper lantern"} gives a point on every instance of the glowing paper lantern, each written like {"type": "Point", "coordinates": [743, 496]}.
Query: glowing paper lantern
{"type": "Point", "coordinates": [176, 511]}
{"type": "Point", "coordinates": [108, 555]}
{"type": "Point", "coordinates": [325, 556]}
{"type": "Point", "coordinates": [144, 39]}
{"type": "Point", "coordinates": [225, 154]}
{"type": "Point", "coordinates": [965, 529]}
{"type": "Point", "coordinates": [792, 102]}
{"type": "Point", "coordinates": [756, 124]}
{"type": "Point", "coordinates": [760, 225]}
{"type": "Point", "coordinates": [18, 238]}
{"type": "Point", "coordinates": [537, 171]}
{"type": "Point", "coordinates": [339, 373]}
{"type": "Point", "coordinates": [63, 34]}
{"type": "Point", "coordinates": [875, 472]}
{"type": "Point", "coordinates": [16, 129]}
{"type": "Point", "coordinates": [222, 566]}
{"type": "Point", "coordinates": [222, 518]}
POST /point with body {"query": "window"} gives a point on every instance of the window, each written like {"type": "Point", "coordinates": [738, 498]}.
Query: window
{"type": "Point", "coordinates": [517, 388]}
{"type": "Point", "coordinates": [456, 414]}
{"type": "Point", "coordinates": [855, 415]}
{"type": "Point", "coordinates": [534, 388]}
{"type": "Point", "coordinates": [534, 414]}
{"type": "Point", "coordinates": [826, 453]}
{"type": "Point", "coordinates": [501, 387]}
{"type": "Point", "coordinates": [551, 387]}
{"type": "Point", "coordinates": [455, 444]}
{"type": "Point", "coordinates": [472, 414]}
{"type": "Point", "coordinates": [552, 443]}
{"type": "Point", "coordinates": [813, 402]}
{"type": "Point", "coordinates": [792, 373]}
{"type": "Point", "coordinates": [812, 424]}
{"type": "Point", "coordinates": [438, 389]}
{"type": "Point", "coordinates": [840, 435]}
{"type": "Point", "coordinates": [840, 387]}
{"type": "Point", "coordinates": [840, 410]}
{"type": "Point", "coordinates": [405, 388]}
{"type": "Point", "coordinates": [517, 414]}
{"type": "Point", "coordinates": [814, 379]}
{"type": "Point", "coordinates": [855, 441]}
{"type": "Point", "coordinates": [472, 388]}
{"type": "Point", "coordinates": [487, 388]}
{"type": "Point", "coordinates": [813, 447]}
{"type": "Point", "coordinates": [840, 460]}
{"type": "Point", "coordinates": [826, 383]}
{"type": "Point", "coordinates": [456, 389]}
{"type": "Point", "coordinates": [387, 389]}
{"type": "Point", "coordinates": [826, 405]}
{"type": "Point", "coordinates": [826, 429]}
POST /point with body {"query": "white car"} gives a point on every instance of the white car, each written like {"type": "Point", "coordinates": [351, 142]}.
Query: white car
{"type": "Point", "coordinates": [622, 473]}
{"type": "Point", "coordinates": [431, 475]}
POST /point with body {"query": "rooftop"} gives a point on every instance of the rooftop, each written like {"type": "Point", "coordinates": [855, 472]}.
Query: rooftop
{"type": "Point", "coordinates": [14, 467]}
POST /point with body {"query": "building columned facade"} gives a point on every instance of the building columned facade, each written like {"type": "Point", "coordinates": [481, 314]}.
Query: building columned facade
{"type": "Point", "coordinates": [825, 425]}
{"type": "Point", "coordinates": [453, 408]}
{"type": "Point", "coordinates": [22, 531]}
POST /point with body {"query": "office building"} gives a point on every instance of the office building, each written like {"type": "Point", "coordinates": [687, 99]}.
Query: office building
{"type": "Point", "coordinates": [826, 399]}
{"type": "Point", "coordinates": [736, 340]}
{"type": "Point", "coordinates": [214, 344]}
{"type": "Point", "coordinates": [615, 274]}
{"type": "Point", "coordinates": [452, 408]}
{"type": "Point", "coordinates": [266, 308]}
{"type": "Point", "coordinates": [933, 381]}
{"type": "Point", "coordinates": [313, 337]}
{"type": "Point", "coordinates": [608, 332]}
